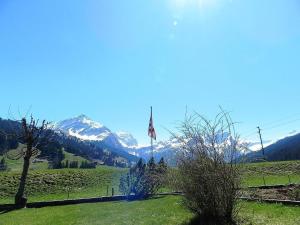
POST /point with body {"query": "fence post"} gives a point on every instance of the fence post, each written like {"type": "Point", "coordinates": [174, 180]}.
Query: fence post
{"type": "Point", "coordinates": [289, 179]}
{"type": "Point", "coordinates": [107, 190]}
{"type": "Point", "coordinates": [264, 180]}
{"type": "Point", "coordinates": [112, 191]}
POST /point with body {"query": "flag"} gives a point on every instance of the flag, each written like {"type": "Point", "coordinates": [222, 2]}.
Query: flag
{"type": "Point", "coordinates": [151, 130]}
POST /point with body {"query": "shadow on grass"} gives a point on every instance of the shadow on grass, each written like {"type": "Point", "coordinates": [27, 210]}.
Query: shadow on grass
{"type": "Point", "coordinates": [134, 198]}
{"type": "Point", "coordinates": [4, 211]}
{"type": "Point", "coordinates": [200, 220]}
{"type": "Point", "coordinates": [12, 208]}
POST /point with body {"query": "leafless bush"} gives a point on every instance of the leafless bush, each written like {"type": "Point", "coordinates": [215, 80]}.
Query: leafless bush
{"type": "Point", "coordinates": [33, 134]}
{"type": "Point", "coordinates": [208, 172]}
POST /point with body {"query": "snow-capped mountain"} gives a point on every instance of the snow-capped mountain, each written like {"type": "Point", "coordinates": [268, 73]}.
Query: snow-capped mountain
{"type": "Point", "coordinates": [126, 139]}
{"type": "Point", "coordinates": [166, 149]}
{"type": "Point", "coordinates": [84, 128]}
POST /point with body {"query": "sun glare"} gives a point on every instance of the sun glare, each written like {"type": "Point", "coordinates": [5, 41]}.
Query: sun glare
{"type": "Point", "coordinates": [201, 4]}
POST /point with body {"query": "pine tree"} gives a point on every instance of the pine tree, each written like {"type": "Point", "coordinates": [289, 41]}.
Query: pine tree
{"type": "Point", "coordinates": [162, 166]}
{"type": "Point", "coordinates": [143, 180]}
{"type": "Point", "coordinates": [3, 165]}
{"type": "Point", "coordinates": [73, 164]}
{"type": "Point", "coordinates": [151, 166]}
{"type": "Point", "coordinates": [152, 177]}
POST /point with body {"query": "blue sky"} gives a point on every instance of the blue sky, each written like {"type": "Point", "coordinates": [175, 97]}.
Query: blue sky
{"type": "Point", "coordinates": [112, 59]}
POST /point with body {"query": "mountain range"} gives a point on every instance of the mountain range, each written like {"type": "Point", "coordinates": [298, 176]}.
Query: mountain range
{"type": "Point", "coordinates": [84, 128]}
{"type": "Point", "coordinates": [83, 136]}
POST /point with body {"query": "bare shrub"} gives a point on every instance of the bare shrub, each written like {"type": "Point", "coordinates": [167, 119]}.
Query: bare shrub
{"type": "Point", "coordinates": [208, 172]}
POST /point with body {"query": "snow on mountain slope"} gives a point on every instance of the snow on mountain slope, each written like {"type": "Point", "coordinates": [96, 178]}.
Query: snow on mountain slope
{"type": "Point", "coordinates": [84, 128]}
{"type": "Point", "coordinates": [126, 139]}
{"type": "Point", "coordinates": [166, 149]}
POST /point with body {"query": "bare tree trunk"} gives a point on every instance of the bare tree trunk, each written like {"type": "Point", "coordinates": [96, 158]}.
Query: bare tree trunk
{"type": "Point", "coordinates": [20, 199]}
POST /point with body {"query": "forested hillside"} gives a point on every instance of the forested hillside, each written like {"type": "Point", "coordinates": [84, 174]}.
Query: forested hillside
{"type": "Point", "coordinates": [53, 150]}
{"type": "Point", "coordinates": [284, 149]}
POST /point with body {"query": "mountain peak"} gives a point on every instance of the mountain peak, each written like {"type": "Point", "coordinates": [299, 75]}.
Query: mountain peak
{"type": "Point", "coordinates": [82, 116]}
{"type": "Point", "coordinates": [86, 120]}
{"type": "Point", "coordinates": [126, 139]}
{"type": "Point", "coordinates": [85, 128]}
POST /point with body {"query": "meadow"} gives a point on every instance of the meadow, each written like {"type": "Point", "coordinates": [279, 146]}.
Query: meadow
{"type": "Point", "coordinates": [61, 184]}
{"type": "Point", "coordinates": [282, 172]}
{"type": "Point", "coordinates": [48, 184]}
{"type": "Point", "coordinates": [167, 210]}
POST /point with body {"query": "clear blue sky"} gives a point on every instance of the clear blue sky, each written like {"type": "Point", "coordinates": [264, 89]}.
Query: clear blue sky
{"type": "Point", "coordinates": [112, 59]}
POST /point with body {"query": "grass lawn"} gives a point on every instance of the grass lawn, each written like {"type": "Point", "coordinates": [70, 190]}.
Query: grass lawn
{"type": "Point", "coordinates": [165, 210]}
{"type": "Point", "coordinates": [162, 210]}
{"type": "Point", "coordinates": [269, 214]}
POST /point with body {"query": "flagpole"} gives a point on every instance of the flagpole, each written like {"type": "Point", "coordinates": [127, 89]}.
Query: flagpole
{"type": "Point", "coordinates": [151, 139]}
{"type": "Point", "coordinates": [151, 147]}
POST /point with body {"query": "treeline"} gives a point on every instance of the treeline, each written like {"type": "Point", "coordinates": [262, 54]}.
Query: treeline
{"type": "Point", "coordinates": [86, 149]}
{"type": "Point", "coordinates": [75, 165]}
{"type": "Point", "coordinates": [7, 141]}
{"type": "Point", "coordinates": [3, 164]}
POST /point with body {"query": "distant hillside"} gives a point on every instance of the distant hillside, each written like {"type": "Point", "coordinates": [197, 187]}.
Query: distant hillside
{"type": "Point", "coordinates": [285, 149]}
{"type": "Point", "coordinates": [53, 151]}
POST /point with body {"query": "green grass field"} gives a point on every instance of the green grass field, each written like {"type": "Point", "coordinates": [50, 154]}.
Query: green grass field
{"type": "Point", "coordinates": [161, 210]}
{"type": "Point", "coordinates": [56, 184]}
{"type": "Point", "coordinates": [282, 172]}
{"type": "Point", "coordinates": [253, 213]}
{"type": "Point", "coordinates": [71, 157]}
{"type": "Point", "coordinates": [45, 184]}
{"type": "Point", "coordinates": [16, 165]}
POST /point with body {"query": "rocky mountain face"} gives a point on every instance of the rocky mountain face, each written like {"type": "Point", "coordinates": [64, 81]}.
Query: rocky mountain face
{"type": "Point", "coordinates": [126, 139]}
{"type": "Point", "coordinates": [125, 144]}
{"type": "Point", "coordinates": [84, 128]}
